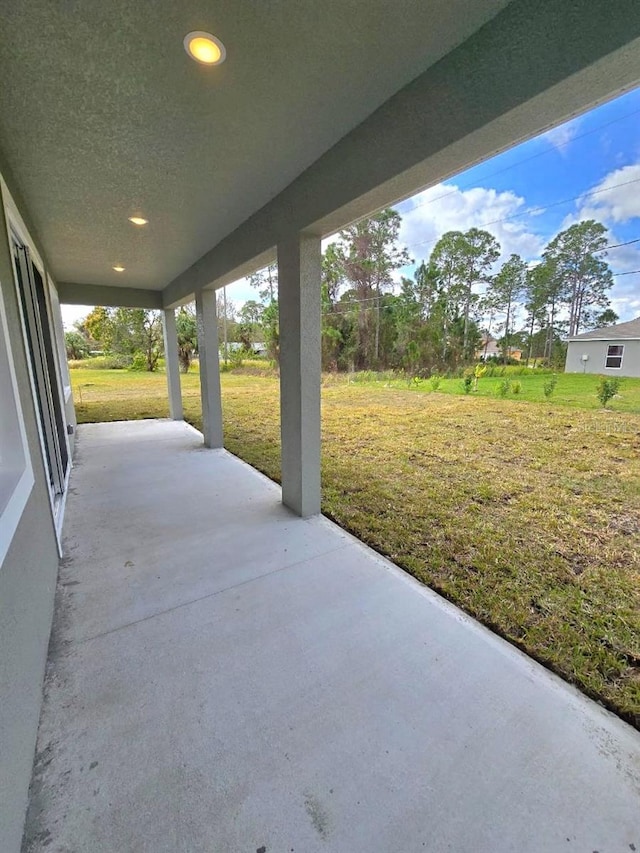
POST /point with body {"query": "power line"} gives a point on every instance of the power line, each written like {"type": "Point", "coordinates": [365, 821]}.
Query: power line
{"type": "Point", "coordinates": [542, 209]}
{"type": "Point", "coordinates": [349, 304]}
{"type": "Point", "coordinates": [364, 299]}
{"type": "Point", "coordinates": [374, 298]}
{"type": "Point", "coordinates": [473, 183]}
{"type": "Point", "coordinates": [343, 303]}
{"type": "Point", "coordinates": [618, 245]}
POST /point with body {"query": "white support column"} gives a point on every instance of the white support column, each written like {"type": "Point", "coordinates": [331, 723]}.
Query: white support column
{"type": "Point", "coordinates": [207, 321]}
{"type": "Point", "coordinates": [171, 363]}
{"type": "Point", "coordinates": [299, 282]}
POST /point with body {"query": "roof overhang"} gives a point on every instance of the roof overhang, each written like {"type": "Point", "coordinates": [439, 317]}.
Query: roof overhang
{"type": "Point", "coordinates": [536, 64]}
{"type": "Point", "coordinates": [612, 339]}
{"type": "Point", "coordinates": [506, 73]}
{"type": "Point", "coordinates": [71, 293]}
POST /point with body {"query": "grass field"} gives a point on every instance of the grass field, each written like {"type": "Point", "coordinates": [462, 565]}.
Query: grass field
{"type": "Point", "coordinates": [524, 512]}
{"type": "Point", "coordinates": [573, 390]}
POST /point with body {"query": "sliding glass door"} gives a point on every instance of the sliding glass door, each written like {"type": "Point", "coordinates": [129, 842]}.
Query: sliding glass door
{"type": "Point", "coordinates": [41, 353]}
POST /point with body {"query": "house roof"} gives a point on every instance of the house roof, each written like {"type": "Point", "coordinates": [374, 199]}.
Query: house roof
{"type": "Point", "coordinates": [622, 331]}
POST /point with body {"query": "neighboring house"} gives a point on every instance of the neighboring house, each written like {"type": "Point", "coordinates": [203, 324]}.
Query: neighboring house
{"type": "Point", "coordinates": [490, 349]}
{"type": "Point", "coordinates": [613, 350]}
{"type": "Point", "coordinates": [234, 346]}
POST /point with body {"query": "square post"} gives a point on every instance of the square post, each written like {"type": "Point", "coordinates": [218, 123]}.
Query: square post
{"type": "Point", "coordinates": [207, 322]}
{"type": "Point", "coordinates": [172, 365]}
{"type": "Point", "coordinates": [299, 294]}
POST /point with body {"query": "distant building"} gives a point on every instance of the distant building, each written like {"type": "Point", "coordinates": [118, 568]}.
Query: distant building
{"type": "Point", "coordinates": [490, 349]}
{"type": "Point", "coordinates": [258, 348]}
{"type": "Point", "coordinates": [612, 351]}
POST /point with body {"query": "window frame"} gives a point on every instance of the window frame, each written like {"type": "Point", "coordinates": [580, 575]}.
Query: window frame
{"type": "Point", "coordinates": [17, 232]}
{"type": "Point", "coordinates": [617, 356]}
{"type": "Point", "coordinates": [13, 509]}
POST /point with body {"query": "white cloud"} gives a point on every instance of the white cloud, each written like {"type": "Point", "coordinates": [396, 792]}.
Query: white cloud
{"type": "Point", "coordinates": [615, 199]}
{"type": "Point", "coordinates": [446, 207]}
{"type": "Point", "coordinates": [625, 293]}
{"type": "Point", "coordinates": [626, 308]}
{"type": "Point", "coordinates": [561, 136]}
{"type": "Point", "coordinates": [624, 258]}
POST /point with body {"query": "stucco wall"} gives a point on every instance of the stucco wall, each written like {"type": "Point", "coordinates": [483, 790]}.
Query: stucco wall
{"type": "Point", "coordinates": [597, 352]}
{"type": "Point", "coordinates": [27, 586]}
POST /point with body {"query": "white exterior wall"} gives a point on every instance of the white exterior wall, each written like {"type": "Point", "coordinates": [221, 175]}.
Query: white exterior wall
{"type": "Point", "coordinates": [597, 352]}
{"type": "Point", "coordinates": [28, 567]}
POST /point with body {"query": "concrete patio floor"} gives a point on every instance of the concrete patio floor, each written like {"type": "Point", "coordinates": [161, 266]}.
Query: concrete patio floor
{"type": "Point", "coordinates": [224, 676]}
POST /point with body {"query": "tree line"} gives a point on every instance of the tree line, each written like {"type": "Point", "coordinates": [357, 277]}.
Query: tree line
{"type": "Point", "coordinates": [459, 296]}
{"type": "Point", "coordinates": [436, 321]}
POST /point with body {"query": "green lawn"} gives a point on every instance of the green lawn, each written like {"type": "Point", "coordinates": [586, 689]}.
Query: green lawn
{"type": "Point", "coordinates": [574, 390]}
{"type": "Point", "coordinates": [525, 513]}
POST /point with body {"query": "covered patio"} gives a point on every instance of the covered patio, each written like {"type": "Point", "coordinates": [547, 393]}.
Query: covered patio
{"type": "Point", "coordinates": [228, 671]}
{"type": "Point", "coordinates": [227, 676]}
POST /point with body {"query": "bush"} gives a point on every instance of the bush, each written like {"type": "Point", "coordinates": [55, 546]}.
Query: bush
{"type": "Point", "coordinates": [76, 345]}
{"type": "Point", "coordinates": [435, 382]}
{"type": "Point", "coordinates": [607, 389]}
{"type": "Point", "coordinates": [467, 383]}
{"type": "Point", "coordinates": [516, 387]}
{"type": "Point", "coordinates": [236, 358]}
{"type": "Point", "coordinates": [102, 362]}
{"type": "Point", "coordinates": [497, 359]}
{"type": "Point", "coordinates": [550, 386]}
{"type": "Point", "coordinates": [504, 387]}
{"type": "Point", "coordinates": [138, 362]}
{"type": "Point", "coordinates": [234, 361]}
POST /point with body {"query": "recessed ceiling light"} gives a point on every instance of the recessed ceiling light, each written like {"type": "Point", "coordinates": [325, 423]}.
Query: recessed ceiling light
{"type": "Point", "coordinates": [205, 48]}
{"type": "Point", "coordinates": [138, 220]}
{"type": "Point", "coordinates": [119, 268]}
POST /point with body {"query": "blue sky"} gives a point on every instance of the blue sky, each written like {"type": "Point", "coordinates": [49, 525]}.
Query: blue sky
{"type": "Point", "coordinates": [599, 150]}
{"type": "Point", "coordinates": [528, 187]}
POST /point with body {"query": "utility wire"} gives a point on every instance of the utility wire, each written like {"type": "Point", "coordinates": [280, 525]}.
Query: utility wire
{"type": "Point", "coordinates": [548, 151]}
{"type": "Point", "coordinates": [617, 245]}
{"type": "Point", "coordinates": [543, 209]}
{"type": "Point", "coordinates": [540, 209]}
{"type": "Point", "coordinates": [348, 305]}
{"type": "Point", "coordinates": [345, 303]}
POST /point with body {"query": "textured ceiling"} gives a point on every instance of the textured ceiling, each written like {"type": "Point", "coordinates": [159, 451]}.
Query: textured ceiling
{"type": "Point", "coordinates": [103, 115]}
